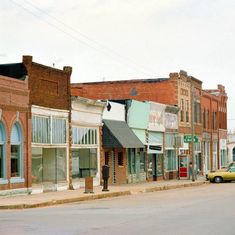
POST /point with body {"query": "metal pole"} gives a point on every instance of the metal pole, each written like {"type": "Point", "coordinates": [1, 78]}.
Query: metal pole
{"type": "Point", "coordinates": [192, 126]}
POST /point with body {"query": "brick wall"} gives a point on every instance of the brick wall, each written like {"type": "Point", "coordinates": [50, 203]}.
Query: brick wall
{"type": "Point", "coordinates": [162, 92]}
{"type": "Point", "coordinates": [49, 87]}
{"type": "Point", "coordinates": [14, 100]}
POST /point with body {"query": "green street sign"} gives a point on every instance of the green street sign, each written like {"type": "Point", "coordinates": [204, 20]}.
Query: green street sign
{"type": "Point", "coordinates": [188, 139]}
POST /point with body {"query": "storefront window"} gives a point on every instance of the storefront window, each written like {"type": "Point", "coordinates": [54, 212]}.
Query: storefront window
{"type": "Point", "coordinates": [41, 130]}
{"type": "Point", "coordinates": [131, 161]}
{"type": "Point", "coordinates": [150, 165]}
{"type": "Point", "coordinates": [59, 131]}
{"type": "Point", "coordinates": [159, 164]}
{"type": "Point", "coordinates": [170, 160]}
{"type": "Point", "coordinates": [49, 130]}
{"type": "Point", "coordinates": [234, 154]}
{"type": "Point", "coordinates": [15, 160]}
{"type": "Point", "coordinates": [84, 136]}
{"type": "Point", "coordinates": [84, 162]}
{"type": "Point", "coordinates": [49, 165]}
{"type": "Point", "coordinates": [142, 162]}
{"type": "Point", "coordinates": [1, 161]}
{"type": "Point", "coordinates": [37, 168]}
{"type": "Point", "coordinates": [16, 155]}
{"type": "Point", "coordinates": [223, 157]}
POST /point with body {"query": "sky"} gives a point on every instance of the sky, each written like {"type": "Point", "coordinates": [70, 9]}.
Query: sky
{"type": "Point", "coordinates": [107, 40]}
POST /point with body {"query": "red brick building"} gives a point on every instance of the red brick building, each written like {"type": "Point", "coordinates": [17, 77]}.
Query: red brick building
{"type": "Point", "coordinates": [49, 118]}
{"type": "Point", "coordinates": [175, 90]}
{"type": "Point", "coordinates": [214, 108]}
{"type": "Point", "coordinates": [15, 135]}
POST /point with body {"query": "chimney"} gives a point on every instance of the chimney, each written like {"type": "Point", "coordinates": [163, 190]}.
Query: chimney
{"type": "Point", "coordinates": [68, 69]}
{"type": "Point", "coordinates": [27, 59]}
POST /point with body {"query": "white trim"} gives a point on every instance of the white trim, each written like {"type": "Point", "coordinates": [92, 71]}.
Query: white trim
{"type": "Point", "coordinates": [3, 181]}
{"type": "Point", "coordinates": [17, 180]}
{"type": "Point", "coordinates": [38, 110]}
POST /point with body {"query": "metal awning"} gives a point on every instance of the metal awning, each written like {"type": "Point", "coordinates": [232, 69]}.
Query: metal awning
{"type": "Point", "coordinates": [117, 134]}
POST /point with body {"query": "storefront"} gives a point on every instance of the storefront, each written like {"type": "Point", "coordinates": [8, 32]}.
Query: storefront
{"type": "Point", "coordinates": [224, 161]}
{"type": "Point", "coordinates": [123, 153]}
{"type": "Point", "coordinates": [172, 143]}
{"type": "Point", "coordinates": [86, 140]}
{"type": "Point", "coordinates": [206, 152]}
{"type": "Point", "coordinates": [15, 154]}
{"type": "Point", "coordinates": [155, 135]}
{"type": "Point", "coordinates": [49, 149]}
{"type": "Point", "coordinates": [214, 152]}
{"type": "Point", "coordinates": [137, 119]}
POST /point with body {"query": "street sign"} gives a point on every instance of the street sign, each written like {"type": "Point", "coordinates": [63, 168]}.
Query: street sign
{"type": "Point", "coordinates": [188, 139]}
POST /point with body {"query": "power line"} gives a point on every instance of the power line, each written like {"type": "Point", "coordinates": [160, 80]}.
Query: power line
{"type": "Point", "coordinates": [103, 47]}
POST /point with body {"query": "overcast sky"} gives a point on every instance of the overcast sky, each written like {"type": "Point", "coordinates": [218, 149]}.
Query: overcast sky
{"type": "Point", "coordinates": [125, 39]}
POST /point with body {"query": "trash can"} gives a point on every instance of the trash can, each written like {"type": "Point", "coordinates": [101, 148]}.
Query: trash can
{"type": "Point", "coordinates": [105, 176]}
{"type": "Point", "coordinates": [89, 184]}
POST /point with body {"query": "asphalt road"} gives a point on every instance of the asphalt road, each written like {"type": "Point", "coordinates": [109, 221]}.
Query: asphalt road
{"type": "Point", "coordinates": [208, 209]}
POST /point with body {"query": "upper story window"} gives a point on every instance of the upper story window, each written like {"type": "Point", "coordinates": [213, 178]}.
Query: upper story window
{"type": "Point", "coordinates": [49, 130]}
{"type": "Point", "coordinates": [181, 110]}
{"type": "Point", "coordinates": [187, 111]}
{"type": "Point", "coordinates": [197, 112]}
{"type": "Point", "coordinates": [214, 121]}
{"type": "Point", "coordinates": [85, 136]}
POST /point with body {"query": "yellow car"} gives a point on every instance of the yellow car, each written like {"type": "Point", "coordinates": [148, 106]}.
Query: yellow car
{"type": "Point", "coordinates": [227, 174]}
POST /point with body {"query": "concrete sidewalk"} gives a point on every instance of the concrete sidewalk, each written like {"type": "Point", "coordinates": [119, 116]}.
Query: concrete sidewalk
{"type": "Point", "coordinates": [78, 195]}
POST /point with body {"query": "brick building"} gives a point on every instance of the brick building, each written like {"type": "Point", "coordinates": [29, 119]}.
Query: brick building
{"type": "Point", "coordinates": [175, 91]}
{"type": "Point", "coordinates": [215, 126]}
{"type": "Point", "coordinates": [15, 151]}
{"type": "Point", "coordinates": [49, 105]}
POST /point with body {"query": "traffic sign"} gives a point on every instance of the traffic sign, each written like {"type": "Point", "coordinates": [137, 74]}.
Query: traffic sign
{"type": "Point", "coordinates": [188, 139]}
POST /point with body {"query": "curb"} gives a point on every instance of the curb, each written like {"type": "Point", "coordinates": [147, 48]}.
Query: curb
{"type": "Point", "coordinates": [168, 187]}
{"type": "Point", "coordinates": [67, 200]}
{"type": "Point", "coordinates": [99, 196]}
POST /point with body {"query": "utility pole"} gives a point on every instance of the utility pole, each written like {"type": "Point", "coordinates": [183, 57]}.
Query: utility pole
{"type": "Point", "coordinates": [192, 129]}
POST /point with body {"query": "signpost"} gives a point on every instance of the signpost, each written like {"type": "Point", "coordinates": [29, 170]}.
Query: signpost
{"type": "Point", "coordinates": [189, 139]}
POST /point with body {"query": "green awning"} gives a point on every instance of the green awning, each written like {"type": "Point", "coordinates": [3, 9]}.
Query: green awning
{"type": "Point", "coordinates": [117, 134]}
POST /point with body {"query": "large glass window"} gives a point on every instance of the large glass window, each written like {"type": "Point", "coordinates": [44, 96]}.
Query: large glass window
{"type": "Point", "coordinates": [2, 152]}
{"type": "Point", "coordinates": [15, 160]}
{"type": "Point", "coordinates": [49, 130]}
{"type": "Point", "coordinates": [142, 162]}
{"type": "Point", "coordinates": [131, 161]}
{"type": "Point", "coordinates": [1, 162]}
{"type": "Point", "coordinates": [159, 164]}
{"type": "Point", "coordinates": [37, 165]}
{"type": "Point", "coordinates": [223, 157]}
{"type": "Point", "coordinates": [170, 160]}
{"type": "Point", "coordinates": [16, 155]}
{"type": "Point", "coordinates": [41, 130]}
{"type": "Point", "coordinates": [49, 165]}
{"type": "Point", "coordinates": [59, 131]}
{"type": "Point", "coordinates": [234, 154]}
{"type": "Point", "coordinates": [84, 136]}
{"type": "Point", "coordinates": [84, 162]}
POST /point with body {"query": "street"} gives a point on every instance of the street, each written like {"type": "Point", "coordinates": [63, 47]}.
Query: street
{"type": "Point", "coordinates": [208, 209]}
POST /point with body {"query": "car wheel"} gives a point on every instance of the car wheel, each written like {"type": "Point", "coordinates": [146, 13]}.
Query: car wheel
{"type": "Point", "coordinates": [218, 179]}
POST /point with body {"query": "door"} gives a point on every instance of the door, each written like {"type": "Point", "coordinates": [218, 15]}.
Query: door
{"type": "Point", "coordinates": [183, 166]}
{"type": "Point", "coordinates": [159, 165]}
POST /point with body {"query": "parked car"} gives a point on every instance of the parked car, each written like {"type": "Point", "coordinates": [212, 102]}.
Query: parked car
{"type": "Point", "coordinates": [220, 176]}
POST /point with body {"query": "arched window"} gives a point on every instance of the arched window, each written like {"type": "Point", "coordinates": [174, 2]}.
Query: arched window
{"type": "Point", "coordinates": [2, 150]}
{"type": "Point", "coordinates": [234, 154]}
{"type": "Point", "coordinates": [16, 151]}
